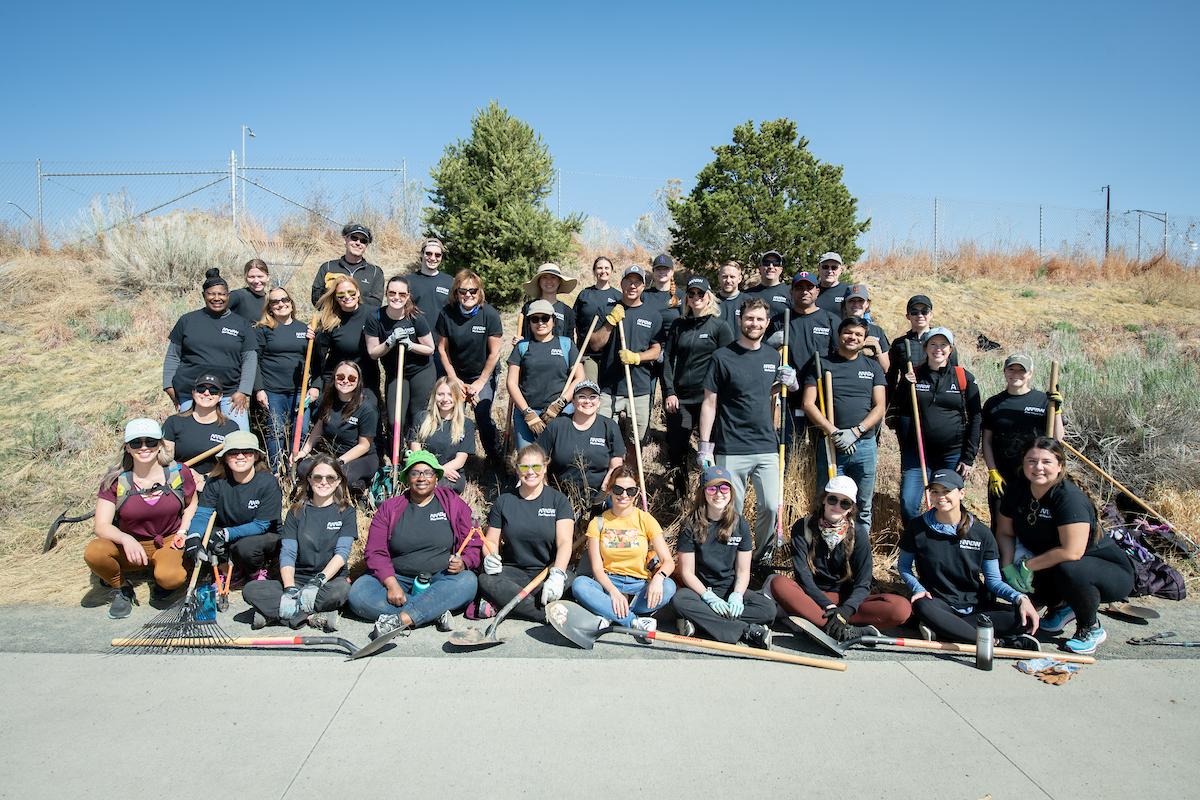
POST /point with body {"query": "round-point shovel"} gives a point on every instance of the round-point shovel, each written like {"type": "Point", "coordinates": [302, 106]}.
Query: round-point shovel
{"type": "Point", "coordinates": [1130, 613]}
{"type": "Point", "coordinates": [473, 637]}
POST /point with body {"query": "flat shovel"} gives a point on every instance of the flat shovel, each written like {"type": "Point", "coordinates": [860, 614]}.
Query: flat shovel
{"type": "Point", "coordinates": [1130, 613]}
{"type": "Point", "coordinates": [473, 637]}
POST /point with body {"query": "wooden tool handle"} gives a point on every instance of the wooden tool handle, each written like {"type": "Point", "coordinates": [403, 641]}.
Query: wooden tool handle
{"type": "Point", "coordinates": [637, 436]}
{"type": "Point", "coordinates": [303, 392]}
{"type": "Point", "coordinates": [969, 649]}
{"type": "Point", "coordinates": [748, 652]}
{"type": "Point", "coordinates": [579, 357]}
{"type": "Point", "coordinates": [212, 451]}
{"type": "Point", "coordinates": [1050, 412]}
{"type": "Point", "coordinates": [511, 604]}
{"type": "Point", "coordinates": [203, 544]}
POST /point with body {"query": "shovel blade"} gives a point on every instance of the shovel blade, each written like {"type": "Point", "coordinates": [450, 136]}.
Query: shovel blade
{"type": "Point", "coordinates": [578, 625]}
{"type": "Point", "coordinates": [816, 635]}
{"type": "Point", "coordinates": [371, 648]}
{"type": "Point", "coordinates": [473, 637]}
{"type": "Point", "coordinates": [1130, 612]}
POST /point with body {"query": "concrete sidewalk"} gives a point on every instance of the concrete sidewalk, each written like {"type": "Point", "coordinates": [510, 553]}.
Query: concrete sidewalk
{"type": "Point", "coordinates": [314, 727]}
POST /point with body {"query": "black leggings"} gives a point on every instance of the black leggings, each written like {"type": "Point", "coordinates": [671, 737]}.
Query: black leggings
{"type": "Point", "coordinates": [680, 425]}
{"type": "Point", "coordinates": [760, 610]}
{"type": "Point", "coordinates": [252, 553]}
{"type": "Point", "coordinates": [413, 401]}
{"type": "Point", "coordinates": [264, 596]}
{"type": "Point", "coordinates": [500, 589]}
{"type": "Point", "coordinates": [951, 625]}
{"type": "Point", "coordinates": [1104, 575]}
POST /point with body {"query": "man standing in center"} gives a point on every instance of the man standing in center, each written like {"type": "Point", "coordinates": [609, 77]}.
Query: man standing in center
{"type": "Point", "coordinates": [833, 291]}
{"type": "Point", "coordinates": [737, 428]}
{"type": "Point", "coordinates": [771, 288]}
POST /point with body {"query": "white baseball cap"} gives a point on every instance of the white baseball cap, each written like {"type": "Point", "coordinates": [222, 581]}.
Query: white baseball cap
{"type": "Point", "coordinates": [843, 485]}
{"type": "Point", "coordinates": [142, 428]}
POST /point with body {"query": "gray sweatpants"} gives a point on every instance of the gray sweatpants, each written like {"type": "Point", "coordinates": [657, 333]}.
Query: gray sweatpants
{"type": "Point", "coordinates": [763, 470]}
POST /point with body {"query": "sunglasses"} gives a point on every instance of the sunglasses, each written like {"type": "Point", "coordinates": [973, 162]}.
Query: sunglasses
{"type": "Point", "coordinates": [432, 254]}
{"type": "Point", "coordinates": [628, 491]}
{"type": "Point", "coordinates": [918, 312]}
{"type": "Point", "coordinates": [723, 488]}
{"type": "Point", "coordinates": [143, 444]}
{"type": "Point", "coordinates": [280, 301]}
{"type": "Point", "coordinates": [536, 469]}
{"type": "Point", "coordinates": [346, 295]}
{"type": "Point", "coordinates": [694, 294]}
{"type": "Point", "coordinates": [397, 294]}
{"type": "Point", "coordinates": [322, 478]}
{"type": "Point", "coordinates": [359, 239]}
{"type": "Point", "coordinates": [539, 319]}
{"type": "Point", "coordinates": [420, 473]}
{"type": "Point", "coordinates": [468, 292]}
{"type": "Point", "coordinates": [241, 454]}
{"type": "Point", "coordinates": [346, 378]}
{"type": "Point", "coordinates": [841, 502]}
{"type": "Point", "coordinates": [772, 263]}
{"type": "Point", "coordinates": [206, 389]}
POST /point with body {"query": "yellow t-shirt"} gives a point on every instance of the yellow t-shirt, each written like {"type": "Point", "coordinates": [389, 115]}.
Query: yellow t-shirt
{"type": "Point", "coordinates": [625, 542]}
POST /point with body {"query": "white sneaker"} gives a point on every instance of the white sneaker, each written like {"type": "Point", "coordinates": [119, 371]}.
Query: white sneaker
{"type": "Point", "coordinates": [647, 624]}
{"type": "Point", "coordinates": [685, 627]}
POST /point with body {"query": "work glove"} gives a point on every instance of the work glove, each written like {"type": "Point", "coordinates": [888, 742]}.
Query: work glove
{"type": "Point", "coordinates": [534, 422]}
{"type": "Point", "coordinates": [1019, 576]}
{"type": "Point", "coordinates": [218, 544]}
{"type": "Point", "coordinates": [630, 357]}
{"type": "Point", "coordinates": [736, 605]}
{"type": "Point", "coordinates": [845, 612]}
{"type": "Point", "coordinates": [289, 603]}
{"type": "Point", "coordinates": [835, 624]}
{"type": "Point", "coordinates": [398, 336]}
{"type": "Point", "coordinates": [718, 605]}
{"type": "Point", "coordinates": [553, 588]}
{"type": "Point", "coordinates": [995, 483]}
{"type": "Point", "coordinates": [553, 410]}
{"type": "Point", "coordinates": [1056, 399]}
{"type": "Point", "coordinates": [615, 316]}
{"type": "Point", "coordinates": [787, 376]}
{"type": "Point", "coordinates": [308, 595]}
{"type": "Point", "coordinates": [846, 440]}
{"type": "Point", "coordinates": [705, 457]}
{"type": "Point", "coordinates": [492, 564]}
{"type": "Point", "coordinates": [192, 550]}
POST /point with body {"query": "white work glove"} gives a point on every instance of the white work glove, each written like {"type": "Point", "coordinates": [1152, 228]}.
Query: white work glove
{"type": "Point", "coordinates": [492, 564]}
{"type": "Point", "coordinates": [398, 336]}
{"type": "Point", "coordinates": [553, 588]}
{"type": "Point", "coordinates": [705, 457]}
{"type": "Point", "coordinates": [787, 376]}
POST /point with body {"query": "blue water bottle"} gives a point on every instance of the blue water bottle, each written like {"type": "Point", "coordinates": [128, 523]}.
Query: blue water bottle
{"type": "Point", "coordinates": [421, 583]}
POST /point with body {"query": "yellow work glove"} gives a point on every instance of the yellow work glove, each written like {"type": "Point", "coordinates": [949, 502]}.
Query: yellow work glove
{"type": "Point", "coordinates": [995, 483]}
{"type": "Point", "coordinates": [630, 357]}
{"type": "Point", "coordinates": [615, 316]}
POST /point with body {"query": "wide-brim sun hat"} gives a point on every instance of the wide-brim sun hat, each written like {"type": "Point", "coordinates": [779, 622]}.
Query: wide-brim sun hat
{"type": "Point", "coordinates": [566, 285]}
{"type": "Point", "coordinates": [421, 457]}
{"type": "Point", "coordinates": [240, 440]}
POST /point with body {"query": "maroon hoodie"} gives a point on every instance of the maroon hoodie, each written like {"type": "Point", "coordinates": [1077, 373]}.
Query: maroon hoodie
{"type": "Point", "coordinates": [379, 557]}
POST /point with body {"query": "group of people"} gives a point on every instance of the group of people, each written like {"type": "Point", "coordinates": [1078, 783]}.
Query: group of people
{"type": "Point", "coordinates": [742, 369]}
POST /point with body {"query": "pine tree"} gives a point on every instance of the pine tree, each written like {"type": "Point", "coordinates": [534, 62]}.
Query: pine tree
{"type": "Point", "coordinates": [488, 196]}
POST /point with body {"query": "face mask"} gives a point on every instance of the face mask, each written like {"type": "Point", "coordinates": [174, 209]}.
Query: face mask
{"type": "Point", "coordinates": [835, 534]}
{"type": "Point", "coordinates": [469, 312]}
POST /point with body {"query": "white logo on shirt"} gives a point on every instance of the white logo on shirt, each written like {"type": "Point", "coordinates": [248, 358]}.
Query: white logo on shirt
{"type": "Point", "coordinates": [251, 505]}
{"type": "Point", "coordinates": [597, 441]}
{"type": "Point", "coordinates": [478, 329]}
{"type": "Point", "coordinates": [644, 323]}
{"type": "Point", "coordinates": [333, 526]}
{"type": "Point", "coordinates": [968, 544]}
{"type": "Point", "coordinates": [216, 437]}
{"type": "Point", "coordinates": [302, 335]}
{"type": "Point", "coordinates": [779, 299]}
{"type": "Point", "coordinates": [545, 512]}
{"type": "Point", "coordinates": [769, 368]}
{"type": "Point", "coordinates": [556, 351]}
{"type": "Point", "coordinates": [231, 332]}
{"type": "Point", "coordinates": [866, 374]}
{"type": "Point", "coordinates": [442, 289]}
{"type": "Point", "coordinates": [702, 336]}
{"type": "Point", "coordinates": [351, 420]}
{"type": "Point", "coordinates": [560, 316]}
{"type": "Point", "coordinates": [437, 516]}
{"type": "Point", "coordinates": [1037, 411]}
{"type": "Point", "coordinates": [734, 541]}
{"type": "Point", "coordinates": [821, 331]}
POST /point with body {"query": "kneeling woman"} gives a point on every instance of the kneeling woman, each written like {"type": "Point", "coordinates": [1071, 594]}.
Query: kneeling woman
{"type": "Point", "coordinates": [320, 530]}
{"type": "Point", "coordinates": [832, 587]}
{"type": "Point", "coordinates": [622, 541]}
{"type": "Point", "coordinates": [584, 448]}
{"type": "Point", "coordinates": [247, 502]}
{"type": "Point", "coordinates": [1052, 545]}
{"type": "Point", "coordinates": [345, 427]}
{"type": "Point", "coordinates": [142, 511]}
{"type": "Point", "coordinates": [529, 530]}
{"type": "Point", "coordinates": [445, 431]}
{"type": "Point", "coordinates": [714, 565]}
{"type": "Point", "coordinates": [414, 574]}
{"type": "Point", "coordinates": [951, 549]}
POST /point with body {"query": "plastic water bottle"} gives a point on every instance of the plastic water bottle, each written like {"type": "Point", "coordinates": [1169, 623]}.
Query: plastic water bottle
{"type": "Point", "coordinates": [421, 583]}
{"type": "Point", "coordinates": [985, 639]}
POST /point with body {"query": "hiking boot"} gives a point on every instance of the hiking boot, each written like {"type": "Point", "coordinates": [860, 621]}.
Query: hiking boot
{"type": "Point", "coordinates": [325, 621]}
{"type": "Point", "coordinates": [1056, 619]}
{"type": "Point", "coordinates": [758, 636]}
{"type": "Point", "coordinates": [1086, 640]}
{"type": "Point", "coordinates": [120, 605]}
{"type": "Point", "coordinates": [258, 623]}
{"type": "Point", "coordinates": [1021, 641]}
{"type": "Point", "coordinates": [443, 623]}
{"type": "Point", "coordinates": [685, 627]}
{"type": "Point", "coordinates": [926, 632]}
{"type": "Point", "coordinates": [385, 625]}
{"type": "Point", "coordinates": [851, 633]}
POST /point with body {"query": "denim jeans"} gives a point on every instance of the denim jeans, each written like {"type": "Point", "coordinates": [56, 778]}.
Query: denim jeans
{"type": "Point", "coordinates": [860, 467]}
{"type": "Point", "coordinates": [240, 418]}
{"type": "Point", "coordinates": [591, 595]}
{"type": "Point", "coordinates": [446, 592]}
{"type": "Point", "coordinates": [281, 420]}
{"type": "Point", "coordinates": [912, 488]}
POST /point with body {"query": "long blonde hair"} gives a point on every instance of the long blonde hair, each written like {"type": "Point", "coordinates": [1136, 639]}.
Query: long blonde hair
{"type": "Point", "coordinates": [329, 314]}
{"type": "Point", "coordinates": [433, 418]}
{"type": "Point", "coordinates": [268, 317]}
{"type": "Point", "coordinates": [711, 307]}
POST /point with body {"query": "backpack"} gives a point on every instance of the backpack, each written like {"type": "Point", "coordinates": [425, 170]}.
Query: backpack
{"type": "Point", "coordinates": [563, 342]}
{"type": "Point", "coordinates": [125, 488]}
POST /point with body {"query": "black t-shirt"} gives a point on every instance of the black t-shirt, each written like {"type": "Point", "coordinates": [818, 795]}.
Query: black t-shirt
{"type": "Point", "coordinates": [876, 331]}
{"type": "Point", "coordinates": [831, 298]}
{"type": "Point", "coordinates": [643, 325]}
{"type": "Point", "coordinates": [591, 303]}
{"type": "Point", "coordinates": [1036, 522]}
{"type": "Point", "coordinates": [688, 352]}
{"type": "Point", "coordinates": [1015, 420]}
{"type": "Point", "coordinates": [564, 320]}
{"type": "Point", "coordinates": [527, 527]}
{"type": "Point", "coordinates": [566, 444]}
{"type": "Point", "coordinates": [775, 296]}
{"type": "Point", "coordinates": [439, 442]}
{"type": "Point", "coordinates": [430, 293]}
{"type": "Point", "coordinates": [716, 561]}
{"type": "Point", "coordinates": [248, 305]}
{"type": "Point", "coordinates": [316, 531]}
{"type": "Point", "coordinates": [191, 438]}
{"type": "Point", "coordinates": [467, 338]}
{"type": "Point", "coordinates": [544, 368]}
{"type": "Point", "coordinates": [380, 325]}
{"type": "Point", "coordinates": [951, 568]}
{"type": "Point", "coordinates": [742, 380]}
{"type": "Point", "coordinates": [661, 299]}
{"type": "Point", "coordinates": [808, 334]}
{"type": "Point", "coordinates": [422, 540]}
{"type": "Point", "coordinates": [340, 431]}
{"type": "Point", "coordinates": [238, 503]}
{"type": "Point", "coordinates": [281, 357]}
{"type": "Point", "coordinates": [854, 381]}
{"type": "Point", "coordinates": [210, 345]}
{"type": "Point", "coordinates": [731, 311]}
{"type": "Point", "coordinates": [347, 342]}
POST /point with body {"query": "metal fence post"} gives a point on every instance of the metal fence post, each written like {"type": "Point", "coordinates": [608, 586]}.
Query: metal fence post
{"type": "Point", "coordinates": [41, 230]}
{"type": "Point", "coordinates": [233, 188]}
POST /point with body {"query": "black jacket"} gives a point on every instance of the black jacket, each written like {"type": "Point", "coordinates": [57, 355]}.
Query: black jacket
{"type": "Point", "coordinates": [690, 344]}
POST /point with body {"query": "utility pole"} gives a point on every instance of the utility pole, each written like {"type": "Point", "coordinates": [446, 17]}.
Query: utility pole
{"type": "Point", "coordinates": [1107, 215]}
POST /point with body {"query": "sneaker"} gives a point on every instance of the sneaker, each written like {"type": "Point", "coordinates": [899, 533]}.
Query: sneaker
{"type": "Point", "coordinates": [120, 605]}
{"type": "Point", "coordinates": [258, 623]}
{"type": "Point", "coordinates": [926, 632]}
{"type": "Point", "coordinates": [325, 621]}
{"type": "Point", "coordinates": [386, 624]}
{"type": "Point", "coordinates": [1021, 641]}
{"type": "Point", "coordinates": [443, 622]}
{"type": "Point", "coordinates": [685, 627]}
{"type": "Point", "coordinates": [1057, 618]}
{"type": "Point", "coordinates": [1086, 640]}
{"type": "Point", "coordinates": [160, 596]}
{"type": "Point", "coordinates": [758, 636]}
{"type": "Point", "coordinates": [647, 624]}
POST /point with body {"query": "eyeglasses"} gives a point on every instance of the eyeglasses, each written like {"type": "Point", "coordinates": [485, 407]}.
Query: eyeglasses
{"type": "Point", "coordinates": [432, 254]}
{"type": "Point", "coordinates": [206, 390]}
{"type": "Point", "coordinates": [359, 239]}
{"type": "Point", "coordinates": [144, 444]}
{"type": "Point", "coordinates": [346, 295]}
{"type": "Point", "coordinates": [918, 312]}
{"type": "Point", "coordinates": [346, 378]}
{"type": "Point", "coordinates": [628, 491]}
{"type": "Point", "coordinates": [323, 478]}
{"type": "Point", "coordinates": [281, 301]}
{"type": "Point", "coordinates": [538, 319]}
{"type": "Point", "coordinates": [536, 469]}
{"type": "Point", "coordinates": [694, 294]}
{"type": "Point", "coordinates": [420, 473]}
{"type": "Point", "coordinates": [723, 488]}
{"type": "Point", "coordinates": [240, 454]}
{"type": "Point", "coordinates": [468, 292]}
{"type": "Point", "coordinates": [845, 504]}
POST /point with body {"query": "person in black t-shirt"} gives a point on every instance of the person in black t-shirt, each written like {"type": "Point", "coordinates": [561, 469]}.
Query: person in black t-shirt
{"type": "Point", "coordinates": [315, 545]}
{"type": "Point", "coordinates": [283, 341]}
{"type": "Point", "coordinates": [833, 291]}
{"type": "Point", "coordinates": [714, 569]}
{"type": "Point", "coordinates": [432, 290]}
{"type": "Point", "coordinates": [539, 375]}
{"type": "Point", "coordinates": [367, 276]}
{"type": "Point", "coordinates": [469, 336]}
{"type": "Point", "coordinates": [199, 429]}
{"type": "Point", "coordinates": [729, 292]}
{"type": "Point", "coordinates": [591, 302]}
{"type": "Point", "coordinates": [583, 447]}
{"type": "Point", "coordinates": [529, 530]}
{"type": "Point", "coordinates": [340, 323]}
{"type": "Point", "coordinates": [250, 302]}
{"type": "Point", "coordinates": [771, 289]}
{"type": "Point", "coordinates": [1051, 544]}
{"type": "Point", "coordinates": [811, 334]}
{"type": "Point", "coordinates": [444, 430]}
{"type": "Point", "coordinates": [857, 303]}
{"type": "Point", "coordinates": [344, 426]}
{"type": "Point", "coordinates": [547, 284]}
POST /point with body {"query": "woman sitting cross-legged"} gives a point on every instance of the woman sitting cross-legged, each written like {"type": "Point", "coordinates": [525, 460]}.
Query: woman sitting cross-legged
{"type": "Point", "coordinates": [415, 575]}
{"type": "Point", "coordinates": [714, 565]}
{"type": "Point", "coordinates": [530, 530]}
{"type": "Point", "coordinates": [832, 587]}
{"type": "Point", "coordinates": [317, 536]}
{"type": "Point", "coordinates": [621, 541]}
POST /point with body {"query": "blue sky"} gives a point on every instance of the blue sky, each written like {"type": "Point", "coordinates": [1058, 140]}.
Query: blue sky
{"type": "Point", "coordinates": [1002, 102]}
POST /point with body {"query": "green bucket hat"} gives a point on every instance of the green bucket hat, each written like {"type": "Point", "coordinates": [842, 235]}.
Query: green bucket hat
{"type": "Point", "coordinates": [420, 457]}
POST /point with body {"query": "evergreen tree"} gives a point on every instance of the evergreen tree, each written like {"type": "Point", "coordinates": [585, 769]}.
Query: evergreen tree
{"type": "Point", "coordinates": [488, 198]}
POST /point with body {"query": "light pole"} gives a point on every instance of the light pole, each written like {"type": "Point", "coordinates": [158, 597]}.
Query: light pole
{"type": "Point", "coordinates": [1107, 215]}
{"type": "Point", "coordinates": [246, 131]}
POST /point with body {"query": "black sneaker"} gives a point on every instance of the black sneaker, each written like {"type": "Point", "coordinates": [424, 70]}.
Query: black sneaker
{"type": "Point", "coordinates": [160, 596]}
{"type": "Point", "coordinates": [258, 623]}
{"type": "Point", "coordinates": [120, 605]}
{"type": "Point", "coordinates": [758, 636]}
{"type": "Point", "coordinates": [1021, 641]}
{"type": "Point", "coordinates": [444, 622]}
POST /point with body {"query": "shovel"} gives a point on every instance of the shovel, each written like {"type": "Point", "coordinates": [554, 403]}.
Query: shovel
{"type": "Point", "coordinates": [826, 642]}
{"type": "Point", "coordinates": [582, 628]}
{"type": "Point", "coordinates": [473, 637]}
{"type": "Point", "coordinates": [1158, 640]}
{"type": "Point", "coordinates": [1130, 613]}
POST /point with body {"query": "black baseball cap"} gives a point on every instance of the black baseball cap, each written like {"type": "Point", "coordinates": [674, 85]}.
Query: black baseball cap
{"type": "Point", "coordinates": [948, 478]}
{"type": "Point", "coordinates": [699, 282]}
{"type": "Point", "coordinates": [918, 300]}
{"type": "Point", "coordinates": [209, 380]}
{"type": "Point", "coordinates": [662, 260]}
{"type": "Point", "coordinates": [354, 228]}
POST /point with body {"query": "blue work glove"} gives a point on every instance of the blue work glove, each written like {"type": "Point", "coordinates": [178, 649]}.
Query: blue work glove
{"type": "Point", "coordinates": [718, 605]}
{"type": "Point", "coordinates": [289, 603]}
{"type": "Point", "coordinates": [308, 595]}
{"type": "Point", "coordinates": [1019, 576]}
{"type": "Point", "coordinates": [736, 605]}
